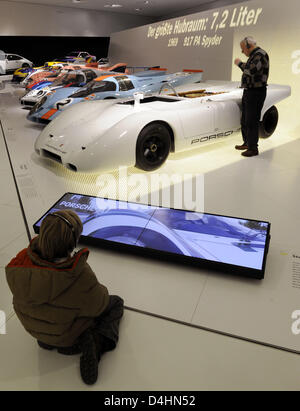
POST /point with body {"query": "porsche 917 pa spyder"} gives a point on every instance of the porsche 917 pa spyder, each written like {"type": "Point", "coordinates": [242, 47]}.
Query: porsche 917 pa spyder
{"type": "Point", "coordinates": [103, 135]}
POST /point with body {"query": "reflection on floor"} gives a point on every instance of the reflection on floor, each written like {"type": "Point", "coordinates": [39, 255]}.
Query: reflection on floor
{"type": "Point", "coordinates": [153, 353]}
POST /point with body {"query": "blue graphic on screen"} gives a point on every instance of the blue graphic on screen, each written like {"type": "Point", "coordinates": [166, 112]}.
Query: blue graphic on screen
{"type": "Point", "coordinates": [216, 238]}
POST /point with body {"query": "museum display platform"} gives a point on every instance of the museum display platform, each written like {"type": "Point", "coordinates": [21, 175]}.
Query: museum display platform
{"type": "Point", "coordinates": [262, 188]}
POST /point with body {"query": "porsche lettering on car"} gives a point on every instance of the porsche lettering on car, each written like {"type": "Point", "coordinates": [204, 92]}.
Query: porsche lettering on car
{"type": "Point", "coordinates": [103, 135]}
{"type": "Point", "coordinates": [109, 86]}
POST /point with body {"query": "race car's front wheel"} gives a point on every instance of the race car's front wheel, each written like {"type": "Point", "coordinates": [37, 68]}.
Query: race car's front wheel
{"type": "Point", "coordinates": [153, 147]}
{"type": "Point", "coordinates": [269, 122]}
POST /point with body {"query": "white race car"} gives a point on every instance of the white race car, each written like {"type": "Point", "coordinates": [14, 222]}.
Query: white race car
{"type": "Point", "coordinates": [103, 135]}
{"type": "Point", "coordinates": [14, 61]}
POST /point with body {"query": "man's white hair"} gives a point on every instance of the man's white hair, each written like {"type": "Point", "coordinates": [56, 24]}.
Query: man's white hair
{"type": "Point", "coordinates": [250, 40]}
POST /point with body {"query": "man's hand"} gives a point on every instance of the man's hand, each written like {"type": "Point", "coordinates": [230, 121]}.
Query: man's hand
{"type": "Point", "coordinates": [237, 61]}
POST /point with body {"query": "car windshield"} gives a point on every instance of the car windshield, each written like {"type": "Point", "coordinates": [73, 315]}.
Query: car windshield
{"type": "Point", "coordinates": [68, 79]}
{"type": "Point", "coordinates": [95, 87]}
{"type": "Point", "coordinates": [103, 60]}
{"type": "Point", "coordinates": [125, 83]}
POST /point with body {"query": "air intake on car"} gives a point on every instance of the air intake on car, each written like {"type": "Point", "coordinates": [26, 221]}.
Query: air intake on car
{"type": "Point", "coordinates": [72, 167]}
{"type": "Point", "coordinates": [53, 156]}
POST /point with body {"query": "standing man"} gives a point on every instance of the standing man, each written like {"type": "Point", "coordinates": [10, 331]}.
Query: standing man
{"type": "Point", "coordinates": [254, 82]}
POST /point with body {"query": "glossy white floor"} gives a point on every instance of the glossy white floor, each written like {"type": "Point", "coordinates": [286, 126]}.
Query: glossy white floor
{"type": "Point", "coordinates": [153, 353]}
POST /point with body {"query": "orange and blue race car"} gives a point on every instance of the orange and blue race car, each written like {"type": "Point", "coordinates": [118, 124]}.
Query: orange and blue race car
{"type": "Point", "coordinates": [21, 73]}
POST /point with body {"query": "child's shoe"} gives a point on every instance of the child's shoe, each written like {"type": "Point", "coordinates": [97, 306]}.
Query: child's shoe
{"type": "Point", "coordinates": [89, 359]}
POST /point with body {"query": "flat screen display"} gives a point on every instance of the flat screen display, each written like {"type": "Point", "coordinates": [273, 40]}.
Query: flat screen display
{"type": "Point", "coordinates": [230, 243]}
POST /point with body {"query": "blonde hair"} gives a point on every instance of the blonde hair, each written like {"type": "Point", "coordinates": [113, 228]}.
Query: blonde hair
{"type": "Point", "coordinates": [57, 238]}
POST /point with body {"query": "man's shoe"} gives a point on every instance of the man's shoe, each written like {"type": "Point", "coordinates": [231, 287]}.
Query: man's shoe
{"type": "Point", "coordinates": [250, 153]}
{"type": "Point", "coordinates": [242, 147]}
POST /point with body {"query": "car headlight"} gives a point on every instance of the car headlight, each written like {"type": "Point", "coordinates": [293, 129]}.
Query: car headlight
{"type": "Point", "coordinates": [29, 94]}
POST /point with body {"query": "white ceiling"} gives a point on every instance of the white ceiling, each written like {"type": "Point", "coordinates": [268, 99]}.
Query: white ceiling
{"type": "Point", "coordinates": [153, 8]}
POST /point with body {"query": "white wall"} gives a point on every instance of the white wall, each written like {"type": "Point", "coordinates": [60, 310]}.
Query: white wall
{"type": "Point", "coordinates": [202, 7]}
{"type": "Point", "coordinates": [19, 19]}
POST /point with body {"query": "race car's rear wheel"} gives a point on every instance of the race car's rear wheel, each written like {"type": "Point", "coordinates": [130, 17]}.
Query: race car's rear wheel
{"type": "Point", "coordinates": [269, 122]}
{"type": "Point", "coordinates": [153, 147]}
